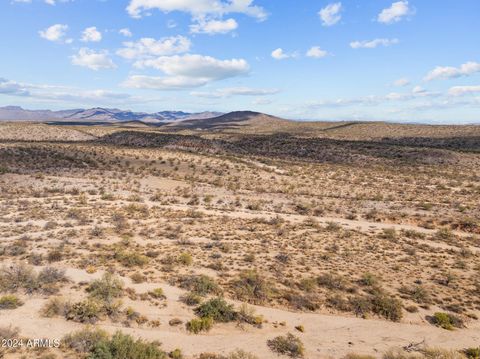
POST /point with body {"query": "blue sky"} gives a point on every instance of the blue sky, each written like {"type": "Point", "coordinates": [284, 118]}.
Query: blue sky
{"type": "Point", "coordinates": [404, 61]}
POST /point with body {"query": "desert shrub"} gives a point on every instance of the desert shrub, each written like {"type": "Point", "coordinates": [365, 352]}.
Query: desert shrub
{"type": "Point", "coordinates": [87, 311]}
{"type": "Point", "coordinates": [10, 302]}
{"type": "Point", "coordinates": [332, 282]}
{"type": "Point", "coordinates": [307, 284]}
{"type": "Point", "coordinates": [240, 354]}
{"type": "Point", "coordinates": [369, 280]}
{"type": "Point", "coordinates": [399, 354]}
{"type": "Point", "coordinates": [287, 345]}
{"type": "Point", "coordinates": [55, 306]}
{"type": "Point", "coordinates": [131, 259]}
{"type": "Point", "coordinates": [17, 277]}
{"type": "Point", "coordinates": [246, 314]}
{"type": "Point", "coordinates": [358, 356]}
{"type": "Point", "coordinates": [252, 287]}
{"type": "Point", "coordinates": [302, 302]}
{"type": "Point", "coordinates": [199, 325]}
{"type": "Point", "coordinates": [123, 346]}
{"type": "Point", "coordinates": [437, 353]}
{"type": "Point", "coordinates": [54, 255]}
{"type": "Point", "coordinates": [84, 340]}
{"type": "Point", "coordinates": [138, 278]}
{"type": "Point", "coordinates": [50, 275]}
{"type": "Point", "coordinates": [200, 284]}
{"type": "Point", "coordinates": [447, 321]}
{"type": "Point", "coordinates": [157, 293]}
{"type": "Point", "coordinates": [98, 345]}
{"type": "Point", "coordinates": [472, 353]}
{"type": "Point", "coordinates": [107, 288]}
{"type": "Point", "coordinates": [191, 299]}
{"type": "Point", "coordinates": [211, 356]}
{"type": "Point", "coordinates": [217, 309]}
{"type": "Point", "coordinates": [185, 259]}
{"type": "Point", "coordinates": [175, 354]}
{"type": "Point", "coordinates": [417, 293]}
{"type": "Point", "coordinates": [387, 306]}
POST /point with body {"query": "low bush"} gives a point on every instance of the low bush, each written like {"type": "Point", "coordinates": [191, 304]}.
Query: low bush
{"type": "Point", "coordinates": [106, 289]}
{"type": "Point", "coordinates": [55, 306]}
{"type": "Point", "coordinates": [252, 287]}
{"type": "Point", "coordinates": [287, 345]}
{"type": "Point", "coordinates": [87, 311]}
{"type": "Point", "coordinates": [199, 325]}
{"type": "Point", "coordinates": [217, 309]}
{"type": "Point", "coordinates": [200, 284]}
{"type": "Point", "coordinates": [10, 302]}
{"type": "Point", "coordinates": [447, 321]}
{"type": "Point", "coordinates": [157, 293]}
{"type": "Point", "coordinates": [191, 299]}
{"type": "Point", "coordinates": [131, 259]}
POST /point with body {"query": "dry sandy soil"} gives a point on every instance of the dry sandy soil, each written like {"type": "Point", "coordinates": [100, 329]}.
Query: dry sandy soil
{"type": "Point", "coordinates": [355, 244]}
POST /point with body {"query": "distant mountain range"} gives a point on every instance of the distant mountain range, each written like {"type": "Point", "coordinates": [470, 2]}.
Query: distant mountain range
{"type": "Point", "coordinates": [99, 114]}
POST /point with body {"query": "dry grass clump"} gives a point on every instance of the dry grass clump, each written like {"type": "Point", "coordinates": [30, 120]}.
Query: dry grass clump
{"type": "Point", "coordinates": [288, 345]}
{"type": "Point", "coordinates": [252, 287]}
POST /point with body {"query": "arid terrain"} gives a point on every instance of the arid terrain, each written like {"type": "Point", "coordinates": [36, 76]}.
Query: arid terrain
{"type": "Point", "coordinates": [240, 236]}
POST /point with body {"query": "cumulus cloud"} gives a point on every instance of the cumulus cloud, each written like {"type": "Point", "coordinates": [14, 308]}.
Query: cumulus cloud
{"type": "Point", "coordinates": [316, 52]}
{"type": "Point", "coordinates": [92, 59]}
{"type": "Point", "coordinates": [371, 44]}
{"type": "Point", "coordinates": [91, 34]}
{"type": "Point", "coordinates": [197, 8]}
{"type": "Point", "coordinates": [213, 26]}
{"type": "Point", "coordinates": [330, 14]}
{"type": "Point", "coordinates": [463, 90]}
{"type": "Point", "coordinates": [186, 71]}
{"type": "Point", "coordinates": [279, 54]}
{"type": "Point", "coordinates": [395, 13]}
{"type": "Point", "coordinates": [236, 91]}
{"type": "Point", "coordinates": [401, 82]}
{"type": "Point", "coordinates": [148, 47]}
{"type": "Point", "coordinates": [448, 72]}
{"type": "Point", "coordinates": [54, 33]}
{"type": "Point", "coordinates": [125, 32]}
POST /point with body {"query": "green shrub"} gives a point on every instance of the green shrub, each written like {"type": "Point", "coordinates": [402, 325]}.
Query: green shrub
{"type": "Point", "coordinates": [10, 302]}
{"type": "Point", "coordinates": [123, 346]}
{"type": "Point", "coordinates": [199, 325]}
{"type": "Point", "coordinates": [176, 354]}
{"type": "Point", "coordinates": [447, 321]}
{"type": "Point", "coordinates": [200, 284]}
{"type": "Point", "coordinates": [387, 306]}
{"type": "Point", "coordinates": [287, 345]}
{"type": "Point", "coordinates": [131, 259]}
{"type": "Point", "coordinates": [252, 287]}
{"type": "Point", "coordinates": [332, 282]}
{"type": "Point", "coordinates": [88, 311]}
{"type": "Point", "coordinates": [106, 289]}
{"type": "Point", "coordinates": [217, 309]}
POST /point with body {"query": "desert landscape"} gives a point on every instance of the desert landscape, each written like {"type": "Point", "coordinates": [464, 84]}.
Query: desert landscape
{"type": "Point", "coordinates": [239, 236]}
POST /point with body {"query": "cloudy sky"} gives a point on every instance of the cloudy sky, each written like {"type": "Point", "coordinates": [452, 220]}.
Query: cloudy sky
{"type": "Point", "coordinates": [404, 61]}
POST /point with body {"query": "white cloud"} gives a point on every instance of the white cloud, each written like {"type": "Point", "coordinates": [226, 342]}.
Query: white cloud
{"type": "Point", "coordinates": [186, 71]}
{"type": "Point", "coordinates": [371, 44]}
{"type": "Point", "coordinates": [463, 90]}
{"type": "Point", "coordinates": [330, 14]}
{"type": "Point", "coordinates": [148, 47]}
{"type": "Point", "coordinates": [93, 60]}
{"type": "Point", "coordinates": [236, 91]}
{"type": "Point", "coordinates": [198, 8]}
{"type": "Point", "coordinates": [447, 72]}
{"type": "Point", "coordinates": [214, 26]}
{"type": "Point", "coordinates": [91, 34]}
{"type": "Point", "coordinates": [279, 54]}
{"type": "Point", "coordinates": [63, 93]}
{"type": "Point", "coordinates": [316, 52]}
{"type": "Point", "coordinates": [125, 32]}
{"type": "Point", "coordinates": [394, 13]}
{"type": "Point", "coordinates": [55, 32]}
{"type": "Point", "coordinates": [401, 82]}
